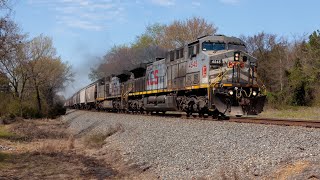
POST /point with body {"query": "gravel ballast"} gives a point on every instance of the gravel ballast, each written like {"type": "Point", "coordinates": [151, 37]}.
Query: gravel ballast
{"type": "Point", "coordinates": [175, 148]}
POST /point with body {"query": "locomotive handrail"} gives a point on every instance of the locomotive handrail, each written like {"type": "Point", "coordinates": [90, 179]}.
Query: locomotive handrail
{"type": "Point", "coordinates": [220, 76]}
{"type": "Point", "coordinates": [127, 92]}
{"type": "Point", "coordinates": [263, 86]}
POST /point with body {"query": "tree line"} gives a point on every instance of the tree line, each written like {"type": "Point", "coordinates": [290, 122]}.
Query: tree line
{"type": "Point", "coordinates": [31, 72]}
{"type": "Point", "coordinates": [289, 67]}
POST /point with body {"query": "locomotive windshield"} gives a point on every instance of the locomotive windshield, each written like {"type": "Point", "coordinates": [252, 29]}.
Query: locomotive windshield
{"type": "Point", "coordinates": [213, 46]}
{"type": "Point", "coordinates": [237, 47]}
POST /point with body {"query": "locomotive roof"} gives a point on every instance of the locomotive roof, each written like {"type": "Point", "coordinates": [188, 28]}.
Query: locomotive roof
{"type": "Point", "coordinates": [219, 38]}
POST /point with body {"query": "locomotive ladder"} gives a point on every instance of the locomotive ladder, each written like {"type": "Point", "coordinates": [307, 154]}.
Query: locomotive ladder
{"type": "Point", "coordinates": [124, 97]}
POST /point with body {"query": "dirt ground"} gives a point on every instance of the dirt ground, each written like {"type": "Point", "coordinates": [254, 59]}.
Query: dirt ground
{"type": "Point", "coordinates": [44, 149]}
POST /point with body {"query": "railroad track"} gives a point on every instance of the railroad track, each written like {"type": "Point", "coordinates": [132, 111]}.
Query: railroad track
{"type": "Point", "coordinates": [252, 120]}
{"type": "Point", "coordinates": [282, 122]}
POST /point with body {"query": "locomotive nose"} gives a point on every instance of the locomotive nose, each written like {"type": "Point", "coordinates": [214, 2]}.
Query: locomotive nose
{"type": "Point", "coordinates": [238, 102]}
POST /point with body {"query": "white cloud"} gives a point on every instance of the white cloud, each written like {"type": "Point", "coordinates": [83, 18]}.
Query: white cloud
{"type": "Point", "coordinates": [231, 2]}
{"type": "Point", "coordinates": [83, 14]}
{"type": "Point", "coordinates": [163, 2]}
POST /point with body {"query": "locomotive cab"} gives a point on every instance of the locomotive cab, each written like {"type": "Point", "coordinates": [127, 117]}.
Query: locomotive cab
{"type": "Point", "coordinates": [233, 86]}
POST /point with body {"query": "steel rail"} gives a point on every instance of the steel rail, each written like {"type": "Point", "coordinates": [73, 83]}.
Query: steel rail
{"type": "Point", "coordinates": [252, 120]}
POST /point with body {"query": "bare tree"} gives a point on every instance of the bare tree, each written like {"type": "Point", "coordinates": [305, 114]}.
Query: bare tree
{"type": "Point", "coordinates": [272, 53]}
{"type": "Point", "coordinates": [39, 50]}
{"type": "Point", "coordinates": [180, 32]}
{"type": "Point", "coordinates": [153, 43]}
{"type": "Point", "coordinates": [56, 76]}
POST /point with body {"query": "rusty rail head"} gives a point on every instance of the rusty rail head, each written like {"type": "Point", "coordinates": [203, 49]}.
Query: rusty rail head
{"type": "Point", "coordinates": [282, 122]}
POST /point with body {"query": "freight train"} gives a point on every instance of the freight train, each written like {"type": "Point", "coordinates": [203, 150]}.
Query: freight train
{"type": "Point", "coordinates": [213, 75]}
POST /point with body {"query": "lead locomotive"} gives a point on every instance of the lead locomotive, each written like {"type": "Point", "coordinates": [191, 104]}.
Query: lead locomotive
{"type": "Point", "coordinates": [213, 75]}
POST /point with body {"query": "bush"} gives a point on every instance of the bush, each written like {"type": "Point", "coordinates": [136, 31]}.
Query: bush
{"type": "Point", "coordinates": [276, 100]}
{"type": "Point", "coordinates": [57, 110]}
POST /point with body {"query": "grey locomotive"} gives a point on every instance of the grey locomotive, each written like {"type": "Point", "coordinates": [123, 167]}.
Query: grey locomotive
{"type": "Point", "coordinates": [213, 75]}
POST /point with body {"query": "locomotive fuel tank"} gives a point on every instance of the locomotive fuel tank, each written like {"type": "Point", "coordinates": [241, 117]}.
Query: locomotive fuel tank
{"type": "Point", "coordinates": [160, 103]}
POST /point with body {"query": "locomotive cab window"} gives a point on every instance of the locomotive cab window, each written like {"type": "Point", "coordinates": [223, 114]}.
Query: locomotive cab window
{"type": "Point", "coordinates": [197, 49]}
{"type": "Point", "coordinates": [177, 54]}
{"type": "Point", "coordinates": [181, 53]}
{"type": "Point", "coordinates": [213, 46]}
{"type": "Point", "coordinates": [190, 52]}
{"type": "Point", "coordinates": [171, 55]}
{"type": "Point", "coordinates": [236, 46]}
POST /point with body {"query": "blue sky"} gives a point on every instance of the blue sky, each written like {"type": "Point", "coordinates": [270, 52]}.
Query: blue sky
{"type": "Point", "coordinates": [83, 30]}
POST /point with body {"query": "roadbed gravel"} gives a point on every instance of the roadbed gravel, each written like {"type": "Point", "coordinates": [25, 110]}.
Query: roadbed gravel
{"type": "Point", "coordinates": [176, 148]}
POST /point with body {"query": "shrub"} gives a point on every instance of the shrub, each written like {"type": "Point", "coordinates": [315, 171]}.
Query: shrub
{"type": "Point", "coordinates": [57, 110]}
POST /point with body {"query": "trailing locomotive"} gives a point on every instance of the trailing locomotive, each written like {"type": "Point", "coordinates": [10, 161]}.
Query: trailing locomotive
{"type": "Point", "coordinates": [213, 75]}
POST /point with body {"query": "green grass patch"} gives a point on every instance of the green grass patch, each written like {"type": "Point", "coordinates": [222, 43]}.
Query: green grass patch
{"type": "Point", "coordinates": [294, 112]}
{"type": "Point", "coordinates": [95, 140]}
{"type": "Point", "coordinates": [5, 134]}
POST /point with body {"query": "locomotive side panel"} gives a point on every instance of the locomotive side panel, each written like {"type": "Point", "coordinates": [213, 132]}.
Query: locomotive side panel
{"type": "Point", "coordinates": [156, 74]}
{"type": "Point", "coordinates": [101, 91]}
{"type": "Point", "coordinates": [197, 70]}
{"type": "Point", "coordinates": [139, 84]}
{"type": "Point", "coordinates": [169, 77]}
{"type": "Point", "coordinates": [114, 88]}
{"type": "Point", "coordinates": [174, 76]}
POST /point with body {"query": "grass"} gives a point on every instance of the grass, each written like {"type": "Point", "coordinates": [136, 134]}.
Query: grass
{"type": "Point", "coordinates": [5, 134]}
{"type": "Point", "coordinates": [49, 151]}
{"type": "Point", "coordinates": [3, 156]}
{"type": "Point", "coordinates": [97, 140]}
{"type": "Point", "coordinates": [294, 112]}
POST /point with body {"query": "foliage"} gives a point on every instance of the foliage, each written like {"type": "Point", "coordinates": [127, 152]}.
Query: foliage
{"type": "Point", "coordinates": [290, 70]}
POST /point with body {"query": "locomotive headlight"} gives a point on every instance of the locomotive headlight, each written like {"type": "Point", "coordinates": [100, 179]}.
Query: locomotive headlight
{"type": "Point", "coordinates": [230, 92]}
{"type": "Point", "coordinates": [236, 56]}
{"type": "Point", "coordinates": [254, 93]}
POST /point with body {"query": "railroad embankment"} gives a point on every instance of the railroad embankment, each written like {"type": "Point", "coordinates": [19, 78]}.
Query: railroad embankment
{"type": "Point", "coordinates": [98, 145]}
{"type": "Point", "coordinates": [175, 148]}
